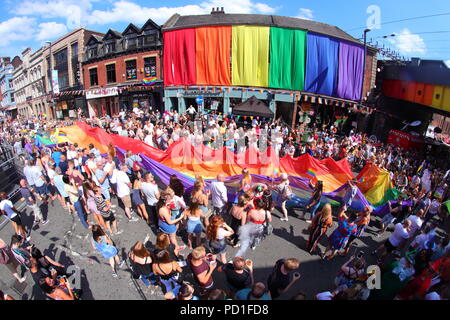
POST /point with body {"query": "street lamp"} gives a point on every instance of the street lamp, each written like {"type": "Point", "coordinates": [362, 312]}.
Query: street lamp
{"type": "Point", "coordinates": [364, 65]}
{"type": "Point", "coordinates": [51, 75]}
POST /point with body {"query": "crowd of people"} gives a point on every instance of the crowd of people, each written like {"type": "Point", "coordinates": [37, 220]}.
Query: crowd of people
{"type": "Point", "coordinates": [414, 259]}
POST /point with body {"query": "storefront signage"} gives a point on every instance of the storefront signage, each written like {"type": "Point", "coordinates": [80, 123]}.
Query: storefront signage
{"type": "Point", "coordinates": [101, 93]}
{"type": "Point", "coordinates": [196, 93]}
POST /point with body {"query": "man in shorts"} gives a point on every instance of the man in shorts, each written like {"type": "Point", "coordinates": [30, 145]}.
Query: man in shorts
{"type": "Point", "coordinates": [7, 208]}
{"type": "Point", "coordinates": [398, 237]}
{"type": "Point", "coordinates": [30, 201]}
{"type": "Point", "coordinates": [124, 192]}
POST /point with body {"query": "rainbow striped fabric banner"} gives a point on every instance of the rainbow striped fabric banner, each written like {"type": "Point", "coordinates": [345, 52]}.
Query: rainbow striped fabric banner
{"type": "Point", "coordinates": [186, 160]}
{"type": "Point", "coordinates": [149, 81]}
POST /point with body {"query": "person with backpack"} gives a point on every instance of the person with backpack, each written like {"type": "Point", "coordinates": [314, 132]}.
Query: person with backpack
{"type": "Point", "coordinates": [166, 270]}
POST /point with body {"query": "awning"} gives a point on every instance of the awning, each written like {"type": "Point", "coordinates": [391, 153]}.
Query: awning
{"type": "Point", "coordinates": [253, 107]}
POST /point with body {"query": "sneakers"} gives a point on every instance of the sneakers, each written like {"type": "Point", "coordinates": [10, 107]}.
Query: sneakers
{"type": "Point", "coordinates": [122, 264]}
{"type": "Point", "coordinates": [114, 274]}
{"type": "Point", "coordinates": [133, 219]}
{"type": "Point", "coordinates": [113, 206]}
{"type": "Point", "coordinates": [28, 238]}
{"type": "Point", "coordinates": [118, 232]}
{"type": "Point", "coordinates": [253, 247]}
{"type": "Point", "coordinates": [284, 219]}
{"type": "Point", "coordinates": [308, 221]}
{"type": "Point", "coordinates": [44, 222]}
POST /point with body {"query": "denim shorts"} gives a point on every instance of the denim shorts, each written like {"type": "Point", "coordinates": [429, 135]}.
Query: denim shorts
{"type": "Point", "coordinates": [42, 189]}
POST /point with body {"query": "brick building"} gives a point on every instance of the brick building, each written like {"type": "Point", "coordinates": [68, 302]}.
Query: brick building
{"type": "Point", "coordinates": [115, 66]}
{"type": "Point", "coordinates": [67, 54]}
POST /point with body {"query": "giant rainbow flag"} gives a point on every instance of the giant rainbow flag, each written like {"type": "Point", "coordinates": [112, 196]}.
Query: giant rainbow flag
{"type": "Point", "coordinates": [186, 160]}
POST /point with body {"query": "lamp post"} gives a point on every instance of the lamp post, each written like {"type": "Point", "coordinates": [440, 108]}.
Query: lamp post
{"type": "Point", "coordinates": [51, 77]}
{"type": "Point", "coordinates": [364, 65]}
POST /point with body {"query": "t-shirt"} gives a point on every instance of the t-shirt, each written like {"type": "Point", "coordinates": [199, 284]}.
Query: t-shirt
{"type": "Point", "coordinates": [27, 194]}
{"type": "Point", "coordinates": [28, 175]}
{"type": "Point", "coordinates": [150, 190]}
{"type": "Point", "coordinates": [122, 181]}
{"type": "Point", "coordinates": [36, 174]}
{"type": "Point", "coordinates": [398, 235]}
{"type": "Point", "coordinates": [64, 166]}
{"type": "Point", "coordinates": [56, 156]}
{"type": "Point", "coordinates": [99, 174]}
{"type": "Point", "coordinates": [277, 279]}
{"type": "Point", "coordinates": [238, 281]}
{"type": "Point", "coordinates": [244, 294]}
{"type": "Point", "coordinates": [7, 206]}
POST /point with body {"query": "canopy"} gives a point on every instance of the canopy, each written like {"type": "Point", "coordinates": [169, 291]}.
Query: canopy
{"type": "Point", "coordinates": [253, 107]}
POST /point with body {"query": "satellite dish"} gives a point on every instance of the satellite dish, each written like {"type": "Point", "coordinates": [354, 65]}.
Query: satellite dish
{"type": "Point", "coordinates": [373, 138]}
{"type": "Point", "coordinates": [416, 123]}
{"type": "Point", "coordinates": [308, 120]}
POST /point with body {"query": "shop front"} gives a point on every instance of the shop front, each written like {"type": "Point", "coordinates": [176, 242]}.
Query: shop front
{"type": "Point", "coordinates": [143, 97]}
{"type": "Point", "coordinates": [102, 102]}
{"type": "Point", "coordinates": [67, 107]}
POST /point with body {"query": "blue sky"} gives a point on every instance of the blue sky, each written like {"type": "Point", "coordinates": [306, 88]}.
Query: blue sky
{"type": "Point", "coordinates": [30, 23]}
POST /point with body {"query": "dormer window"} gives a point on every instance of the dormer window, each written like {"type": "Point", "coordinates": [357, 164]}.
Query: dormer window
{"type": "Point", "coordinates": [92, 52]}
{"type": "Point", "coordinates": [130, 41]}
{"type": "Point", "coordinates": [110, 47]}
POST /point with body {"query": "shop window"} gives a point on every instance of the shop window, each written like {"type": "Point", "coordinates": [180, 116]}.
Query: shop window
{"type": "Point", "coordinates": [131, 69]}
{"type": "Point", "coordinates": [150, 67]}
{"type": "Point", "coordinates": [93, 76]}
{"type": "Point", "coordinates": [111, 73]}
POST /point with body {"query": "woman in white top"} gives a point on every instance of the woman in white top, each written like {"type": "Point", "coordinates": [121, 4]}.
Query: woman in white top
{"type": "Point", "coordinates": [284, 194]}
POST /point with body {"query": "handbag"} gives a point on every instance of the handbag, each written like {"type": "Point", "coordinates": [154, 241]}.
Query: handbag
{"type": "Point", "coordinates": [4, 256]}
{"type": "Point", "coordinates": [268, 228]}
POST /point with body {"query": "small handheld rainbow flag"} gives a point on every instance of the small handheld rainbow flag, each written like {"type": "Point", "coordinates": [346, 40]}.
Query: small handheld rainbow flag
{"type": "Point", "coordinates": [149, 81]}
{"type": "Point", "coordinates": [362, 179]}
{"type": "Point", "coordinates": [276, 172]}
{"type": "Point", "coordinates": [311, 172]}
{"type": "Point", "coordinates": [62, 134]}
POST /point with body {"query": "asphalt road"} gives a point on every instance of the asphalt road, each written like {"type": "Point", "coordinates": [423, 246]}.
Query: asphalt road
{"type": "Point", "coordinates": [65, 240]}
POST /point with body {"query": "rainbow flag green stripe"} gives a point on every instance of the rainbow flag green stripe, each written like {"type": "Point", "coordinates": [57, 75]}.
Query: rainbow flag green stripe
{"type": "Point", "coordinates": [311, 173]}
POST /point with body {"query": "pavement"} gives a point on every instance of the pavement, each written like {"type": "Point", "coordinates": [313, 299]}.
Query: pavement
{"type": "Point", "coordinates": [65, 240]}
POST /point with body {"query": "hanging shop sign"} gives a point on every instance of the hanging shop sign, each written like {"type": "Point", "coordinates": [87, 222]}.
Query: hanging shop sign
{"type": "Point", "coordinates": [101, 93]}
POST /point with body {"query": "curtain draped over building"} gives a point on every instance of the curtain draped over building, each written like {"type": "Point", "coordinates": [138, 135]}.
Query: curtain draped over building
{"type": "Point", "coordinates": [179, 57]}
{"type": "Point", "coordinates": [350, 79]}
{"type": "Point", "coordinates": [287, 58]}
{"type": "Point", "coordinates": [250, 56]}
{"type": "Point", "coordinates": [321, 64]}
{"type": "Point", "coordinates": [213, 51]}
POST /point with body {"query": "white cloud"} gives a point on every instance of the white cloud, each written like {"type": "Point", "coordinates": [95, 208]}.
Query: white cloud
{"type": "Point", "coordinates": [304, 13]}
{"type": "Point", "coordinates": [127, 11]}
{"type": "Point", "coordinates": [81, 12]}
{"type": "Point", "coordinates": [16, 29]}
{"type": "Point", "coordinates": [448, 63]}
{"type": "Point", "coordinates": [407, 43]}
{"type": "Point", "coordinates": [50, 30]}
{"type": "Point", "coordinates": [71, 10]}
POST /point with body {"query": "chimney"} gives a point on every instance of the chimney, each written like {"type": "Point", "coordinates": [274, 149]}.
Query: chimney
{"type": "Point", "coordinates": [217, 10]}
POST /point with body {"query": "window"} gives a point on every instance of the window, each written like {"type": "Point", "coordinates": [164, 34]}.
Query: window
{"type": "Point", "coordinates": [93, 76]}
{"type": "Point", "coordinates": [131, 69]}
{"type": "Point", "coordinates": [92, 52]}
{"type": "Point", "coordinates": [61, 64]}
{"type": "Point", "coordinates": [75, 50]}
{"type": "Point", "coordinates": [12, 97]}
{"type": "Point", "coordinates": [150, 67]}
{"type": "Point", "coordinates": [149, 40]}
{"type": "Point", "coordinates": [110, 47]}
{"type": "Point", "coordinates": [111, 73]}
{"type": "Point", "coordinates": [11, 84]}
{"type": "Point", "coordinates": [130, 42]}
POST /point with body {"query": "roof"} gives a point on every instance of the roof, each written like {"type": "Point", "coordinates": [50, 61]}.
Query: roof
{"type": "Point", "coordinates": [192, 21]}
{"type": "Point", "coordinates": [253, 107]}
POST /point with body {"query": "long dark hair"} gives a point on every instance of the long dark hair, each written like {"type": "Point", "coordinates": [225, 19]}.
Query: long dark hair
{"type": "Point", "coordinates": [176, 185]}
{"type": "Point", "coordinates": [45, 287]}
{"type": "Point", "coordinates": [97, 232]}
